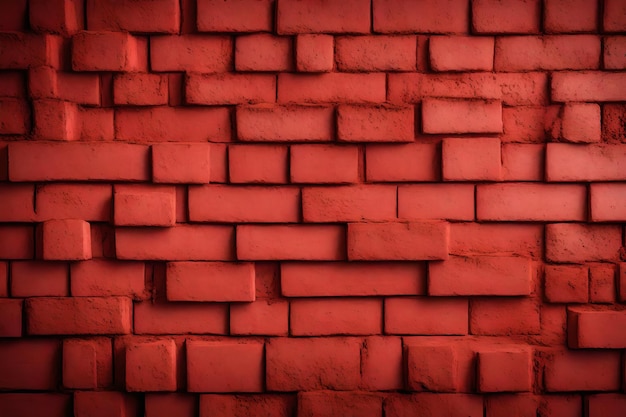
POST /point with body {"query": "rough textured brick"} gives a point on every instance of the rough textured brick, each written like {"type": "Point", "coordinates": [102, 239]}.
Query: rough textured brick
{"type": "Point", "coordinates": [568, 162]}
{"type": "Point", "coordinates": [581, 123]}
{"type": "Point", "coordinates": [15, 117]}
{"type": "Point", "coordinates": [90, 202]}
{"type": "Point", "coordinates": [588, 86]}
{"type": "Point", "coordinates": [431, 367]}
{"type": "Point", "coordinates": [315, 53]}
{"type": "Point", "coordinates": [431, 16]}
{"type": "Point", "coordinates": [331, 403]}
{"type": "Point", "coordinates": [167, 404]}
{"type": "Point", "coordinates": [486, 317]}
{"type": "Point", "coordinates": [137, 89]}
{"type": "Point", "coordinates": [144, 206]}
{"type": "Point", "coordinates": [338, 316]}
{"type": "Point", "coordinates": [381, 363]}
{"type": "Point", "coordinates": [181, 163]}
{"type": "Point", "coordinates": [261, 164]}
{"type": "Point", "coordinates": [602, 283]}
{"type": "Point", "coordinates": [436, 201]}
{"type": "Point", "coordinates": [613, 19]}
{"type": "Point", "coordinates": [235, 16]}
{"type": "Point", "coordinates": [25, 50]}
{"type": "Point", "coordinates": [461, 53]}
{"type": "Point", "coordinates": [595, 328]}
{"type": "Point", "coordinates": [506, 16]}
{"type": "Point", "coordinates": [263, 405]}
{"type": "Point", "coordinates": [607, 202]}
{"type": "Point", "coordinates": [569, 370]}
{"type": "Point", "coordinates": [505, 370]}
{"type": "Point", "coordinates": [402, 405]}
{"type": "Point", "coordinates": [571, 242]}
{"type": "Point", "coordinates": [566, 283]}
{"type": "Point", "coordinates": [151, 366]}
{"type": "Point", "coordinates": [613, 123]}
{"type": "Point", "coordinates": [262, 317]}
{"type": "Point", "coordinates": [10, 318]}
{"type": "Point", "coordinates": [180, 318]}
{"type": "Point", "coordinates": [565, 16]}
{"type": "Point", "coordinates": [18, 202]}
{"type": "Point", "coordinates": [65, 240]}
{"type": "Point", "coordinates": [331, 88]}
{"type": "Point", "coordinates": [105, 278]}
{"type": "Point", "coordinates": [80, 367]}
{"type": "Point", "coordinates": [161, 16]}
{"type": "Point", "coordinates": [324, 164]}
{"type": "Point", "coordinates": [614, 52]}
{"type": "Point", "coordinates": [108, 51]}
{"type": "Point", "coordinates": [263, 52]}
{"type": "Point", "coordinates": [351, 16]}
{"type": "Point", "coordinates": [193, 53]}
{"type": "Point", "coordinates": [230, 88]}
{"type": "Point", "coordinates": [348, 203]}
{"type": "Point", "coordinates": [471, 159]}
{"type": "Point", "coordinates": [376, 53]}
{"type": "Point", "coordinates": [426, 316]}
{"type": "Point", "coordinates": [375, 124]}
{"type": "Point", "coordinates": [402, 163]}
{"type": "Point", "coordinates": [467, 116]}
{"type": "Point", "coordinates": [474, 239]}
{"type": "Point", "coordinates": [266, 123]}
{"type": "Point", "coordinates": [36, 278]}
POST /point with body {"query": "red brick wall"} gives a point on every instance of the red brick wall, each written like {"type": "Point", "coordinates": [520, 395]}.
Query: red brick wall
{"type": "Point", "coordinates": [312, 208]}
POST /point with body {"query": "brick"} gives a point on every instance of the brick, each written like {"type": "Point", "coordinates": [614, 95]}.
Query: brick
{"type": "Point", "coordinates": [608, 202]}
{"type": "Point", "coordinates": [263, 405]}
{"type": "Point", "coordinates": [65, 240]}
{"type": "Point", "coordinates": [486, 317]}
{"type": "Point", "coordinates": [230, 88]}
{"type": "Point", "coordinates": [105, 278]}
{"type": "Point", "coordinates": [588, 86]}
{"type": "Point", "coordinates": [413, 87]}
{"type": "Point", "coordinates": [336, 316]}
{"type": "Point", "coordinates": [263, 52]}
{"type": "Point", "coordinates": [315, 53]}
{"type": "Point", "coordinates": [431, 16]}
{"type": "Point", "coordinates": [39, 279]}
{"type": "Point", "coordinates": [581, 123]}
{"type": "Point", "coordinates": [351, 16]}
{"type": "Point", "coordinates": [27, 404]}
{"type": "Point", "coordinates": [10, 318]}
{"type": "Point", "coordinates": [210, 281]}
{"type": "Point", "coordinates": [80, 367]}
{"type": "Point", "coordinates": [571, 371]}
{"type": "Point", "coordinates": [244, 204]}
{"type": "Point", "coordinates": [15, 117]}
{"type": "Point", "coordinates": [181, 163]}
{"type": "Point", "coordinates": [320, 279]}
{"type": "Point", "coordinates": [505, 370]}
{"type": "Point", "coordinates": [90, 202]}
{"type": "Point", "coordinates": [433, 404]}
{"type": "Point", "coordinates": [55, 120]}
{"type": "Point", "coordinates": [602, 283]}
{"type": "Point", "coordinates": [18, 202]}
{"type": "Point", "coordinates": [167, 404]}
{"type": "Point", "coordinates": [235, 16]}
{"type": "Point", "coordinates": [523, 89]}
{"type": "Point", "coordinates": [569, 242]}
{"type": "Point", "coordinates": [258, 164]}
{"type": "Point", "coordinates": [614, 52]}
{"type": "Point", "coordinates": [100, 404]}
{"type": "Point", "coordinates": [15, 16]}
{"type": "Point", "coordinates": [304, 364]}
{"type": "Point", "coordinates": [604, 404]}
{"type": "Point", "coordinates": [567, 405]}
{"type": "Point", "coordinates": [180, 124]}
{"type": "Point", "coordinates": [180, 318]}
{"type": "Point", "coordinates": [116, 51]}
{"type": "Point", "coordinates": [331, 403]}
{"type": "Point", "coordinates": [566, 16]}
{"type": "Point", "coordinates": [60, 16]}
{"type": "Point", "coordinates": [402, 162]}
{"type": "Point", "coordinates": [436, 201]}
{"type": "Point", "coordinates": [426, 316]}
{"type": "Point", "coordinates": [454, 116]}
{"type": "Point", "coordinates": [17, 241]}
{"type": "Point", "coordinates": [376, 53]}
{"type": "Point", "coordinates": [191, 53]}
{"type": "Point", "coordinates": [506, 16]}
{"type": "Point", "coordinates": [349, 203]}
{"type": "Point", "coordinates": [461, 53]}
{"type": "Point", "coordinates": [595, 328]}
{"type": "Point", "coordinates": [471, 159]}
{"type": "Point", "coordinates": [290, 242]}
{"type": "Point", "coordinates": [138, 89]}
{"type": "Point", "coordinates": [224, 366]}
{"type": "Point", "coordinates": [398, 241]}
{"type": "Point", "coordinates": [325, 164]}
{"type": "Point", "coordinates": [84, 315]}
{"type": "Point", "coordinates": [525, 405]}
{"type": "Point", "coordinates": [614, 19]}
{"type": "Point", "coordinates": [262, 317]}
{"type": "Point", "coordinates": [151, 366]}
{"type": "Point", "coordinates": [41, 161]}
{"type": "Point", "coordinates": [161, 16]}
{"type": "Point", "coordinates": [96, 124]}
{"type": "Point", "coordinates": [568, 162]}
{"type": "Point", "coordinates": [25, 50]}
{"type": "Point", "coordinates": [332, 88]}
{"type": "Point", "coordinates": [144, 206]}
{"type": "Point", "coordinates": [566, 283]}
{"type": "Point", "coordinates": [13, 83]}
{"type": "Point", "coordinates": [381, 363]}
{"type": "Point", "coordinates": [431, 368]}
{"type": "Point", "coordinates": [267, 123]}
{"type": "Point", "coordinates": [29, 364]}
{"type": "Point", "coordinates": [524, 124]}
{"type": "Point", "coordinates": [613, 122]}
{"type": "Point", "coordinates": [179, 243]}
{"type": "Point", "coordinates": [375, 124]}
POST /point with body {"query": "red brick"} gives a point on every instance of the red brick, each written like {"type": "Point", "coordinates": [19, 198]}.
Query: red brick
{"type": "Point", "coordinates": [262, 317]}
{"type": "Point", "coordinates": [569, 242]}
{"type": "Point", "coordinates": [468, 116]}
{"type": "Point", "coordinates": [25, 405]}
{"type": "Point", "coordinates": [18, 202]}
{"type": "Point", "coordinates": [567, 162]}
{"type": "Point", "coordinates": [267, 123]}
{"type": "Point", "coordinates": [210, 281]}
{"type": "Point", "coordinates": [230, 88]}
{"type": "Point", "coordinates": [262, 164]}
{"type": "Point", "coordinates": [581, 123]}
{"type": "Point", "coordinates": [566, 283]}
{"type": "Point", "coordinates": [333, 87]}
{"type": "Point", "coordinates": [166, 124]}
{"type": "Point", "coordinates": [179, 243]}
{"type": "Point", "coordinates": [398, 241]}
{"type": "Point", "coordinates": [431, 405]}
{"type": "Point", "coordinates": [81, 88]}
{"type": "Point", "coordinates": [17, 241]}
{"type": "Point", "coordinates": [336, 316]}
{"type": "Point", "coordinates": [376, 53]}
{"type": "Point", "coordinates": [570, 371]}
{"type": "Point", "coordinates": [104, 278]}
{"type": "Point", "coordinates": [29, 364]}
{"type": "Point", "coordinates": [318, 16]}
{"type": "Point", "coordinates": [225, 203]}
{"type": "Point", "coordinates": [431, 367]}
{"type": "Point", "coordinates": [588, 327]}
{"type": "Point", "coordinates": [410, 162]}
{"type": "Point", "coordinates": [191, 53]}
{"type": "Point", "coordinates": [100, 404]}
{"type": "Point", "coordinates": [55, 120]}
{"type": "Point", "coordinates": [588, 86]}
{"type": "Point", "coordinates": [81, 315]}
{"type": "Point", "coordinates": [565, 16]}
{"type": "Point", "coordinates": [332, 403]}
{"type": "Point", "coordinates": [413, 87]}
{"type": "Point", "coordinates": [181, 163]}
{"type": "Point", "coordinates": [262, 405]}
{"type": "Point", "coordinates": [426, 316]}
{"type": "Point", "coordinates": [151, 366]}
{"type": "Point", "coordinates": [614, 19]}
{"type": "Point", "coordinates": [10, 318]}
{"type": "Point", "coordinates": [35, 279]}
{"type": "Point", "coordinates": [602, 284]}
{"type": "Point", "coordinates": [25, 50]}
{"type": "Point", "coordinates": [59, 16]}
{"type": "Point", "coordinates": [140, 205]}
{"type": "Point", "coordinates": [349, 203]}
{"type": "Point", "coordinates": [614, 53]}
{"type": "Point", "coordinates": [15, 15]}
{"type": "Point", "coordinates": [375, 124]}
{"type": "Point", "coordinates": [563, 405]}
{"type": "Point", "coordinates": [96, 124]}
{"type": "Point", "coordinates": [304, 364]}
{"type": "Point", "coordinates": [13, 83]}
{"type": "Point", "coordinates": [180, 318]}
{"type": "Point", "coordinates": [505, 370]}
{"type": "Point", "coordinates": [430, 16]}
{"type": "Point", "coordinates": [108, 51]}
{"type": "Point", "coordinates": [598, 405]}
{"type": "Point", "coordinates": [325, 164]}
{"type": "Point", "coordinates": [524, 405]}
{"type": "Point", "coordinates": [90, 202]}
{"type": "Point", "coordinates": [235, 16]}
{"type": "Point", "coordinates": [506, 16]}
{"type": "Point", "coordinates": [224, 366]}
{"type": "Point", "coordinates": [608, 202]}
{"type": "Point", "coordinates": [170, 404]}
{"type": "Point", "coordinates": [524, 124]}
{"type": "Point", "coordinates": [80, 370]}
{"type": "Point", "coordinates": [465, 159]}
{"type": "Point", "coordinates": [315, 53]}
{"type": "Point", "coordinates": [436, 201]}
{"type": "Point", "coordinates": [40, 161]}
{"type": "Point", "coordinates": [461, 53]}
{"type": "Point", "coordinates": [65, 240]}
{"type": "Point", "coordinates": [14, 117]}
{"type": "Point", "coordinates": [263, 52]}
{"type": "Point", "coordinates": [486, 317]}
{"type": "Point", "coordinates": [381, 363]}
{"type": "Point", "coordinates": [138, 89]}
{"type": "Point", "coordinates": [160, 16]}
{"type": "Point", "coordinates": [523, 89]}
{"type": "Point", "coordinates": [614, 122]}
{"type": "Point", "coordinates": [321, 279]}
{"type": "Point", "coordinates": [290, 242]}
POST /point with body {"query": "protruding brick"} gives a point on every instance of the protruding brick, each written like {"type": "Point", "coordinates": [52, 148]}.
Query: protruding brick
{"type": "Point", "coordinates": [144, 206]}
{"type": "Point", "coordinates": [181, 163]}
{"type": "Point", "coordinates": [160, 16]}
{"type": "Point", "coordinates": [108, 51]}
{"type": "Point", "coordinates": [262, 317]}
{"type": "Point", "coordinates": [25, 50]}
{"type": "Point", "coordinates": [588, 327]}
{"type": "Point", "coordinates": [315, 53]}
{"type": "Point", "coordinates": [570, 242]}
{"type": "Point", "coordinates": [349, 203]}
{"type": "Point", "coordinates": [80, 368]}
{"type": "Point", "coordinates": [588, 86]}
{"type": "Point", "coordinates": [151, 366]}
{"type": "Point", "coordinates": [426, 316]}
{"type": "Point", "coordinates": [57, 16]}
{"type": "Point", "coordinates": [65, 240]}
{"type": "Point", "coordinates": [461, 53]}
{"type": "Point", "coordinates": [90, 202]}
{"type": "Point", "coordinates": [29, 364]}
{"type": "Point", "coordinates": [10, 317]}
{"type": "Point", "coordinates": [325, 164]}
{"type": "Point", "coordinates": [614, 53]}
{"type": "Point", "coordinates": [39, 279]}
{"type": "Point", "coordinates": [139, 89]}
{"type": "Point", "coordinates": [566, 16]}
{"type": "Point", "coordinates": [351, 16]}
{"type": "Point", "coordinates": [436, 201]}
{"type": "Point", "coordinates": [506, 16]}
{"type": "Point", "coordinates": [191, 53]}
{"type": "Point", "coordinates": [336, 316]}
{"type": "Point", "coordinates": [505, 370]}
{"type": "Point", "coordinates": [471, 159]}
{"type": "Point", "coordinates": [105, 278]}
{"type": "Point", "coordinates": [332, 403]}
{"type": "Point", "coordinates": [180, 318]}
{"type": "Point", "coordinates": [566, 283]}
{"type": "Point", "coordinates": [224, 366]}
{"type": "Point", "coordinates": [375, 124]}
{"type": "Point", "coordinates": [431, 368]}
{"type": "Point", "coordinates": [235, 16]}
{"type": "Point", "coordinates": [335, 87]}
{"type": "Point", "coordinates": [263, 52]}
{"type": "Point", "coordinates": [394, 163]}
{"type": "Point", "coordinates": [608, 202]}
{"type": "Point", "coordinates": [285, 123]}
{"type": "Point", "coordinates": [571, 371]}
{"type": "Point", "coordinates": [56, 120]}
{"type": "Point", "coordinates": [568, 162]}
{"type": "Point", "coordinates": [486, 316]}
{"type": "Point", "coordinates": [275, 405]}
{"type": "Point", "coordinates": [468, 116]}
{"type": "Point", "coordinates": [376, 53]}
{"type": "Point", "coordinates": [262, 164]}
{"type": "Point", "coordinates": [430, 16]}
{"type": "Point", "coordinates": [17, 241]}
